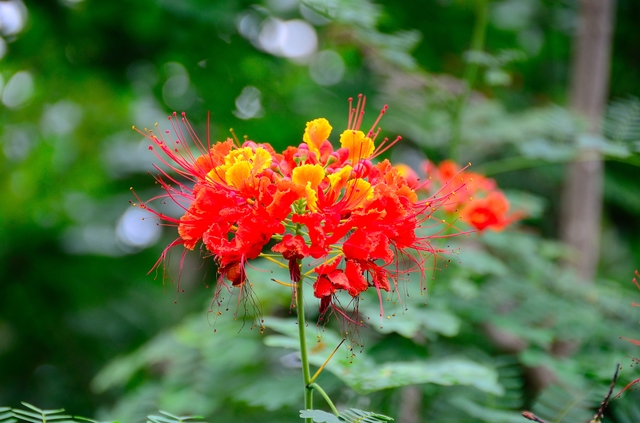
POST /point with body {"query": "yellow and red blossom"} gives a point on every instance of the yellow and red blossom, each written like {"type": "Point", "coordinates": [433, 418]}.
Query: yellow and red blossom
{"type": "Point", "coordinates": [357, 218]}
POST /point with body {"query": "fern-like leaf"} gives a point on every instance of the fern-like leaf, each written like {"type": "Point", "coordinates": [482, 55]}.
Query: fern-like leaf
{"type": "Point", "coordinates": [353, 415]}
{"type": "Point", "coordinates": [627, 409]}
{"type": "Point", "coordinates": [6, 416]}
{"type": "Point", "coordinates": [170, 418]}
{"type": "Point", "coordinates": [564, 404]}
{"type": "Point", "coordinates": [622, 120]}
{"type": "Point", "coordinates": [38, 415]}
{"type": "Point", "coordinates": [84, 419]}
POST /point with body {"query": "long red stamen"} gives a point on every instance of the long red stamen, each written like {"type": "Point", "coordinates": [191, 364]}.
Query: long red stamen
{"type": "Point", "coordinates": [361, 113]}
{"type": "Point", "coordinates": [382, 112]}
{"type": "Point", "coordinates": [385, 145]}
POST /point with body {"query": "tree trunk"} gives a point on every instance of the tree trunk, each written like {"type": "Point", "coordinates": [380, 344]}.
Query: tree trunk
{"type": "Point", "coordinates": [581, 203]}
{"type": "Point", "coordinates": [410, 404]}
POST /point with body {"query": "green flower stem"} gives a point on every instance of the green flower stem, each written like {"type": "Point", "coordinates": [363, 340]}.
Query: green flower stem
{"type": "Point", "coordinates": [304, 358]}
{"type": "Point", "coordinates": [470, 72]}
{"type": "Point", "coordinates": [324, 395]}
{"type": "Point", "coordinates": [309, 386]}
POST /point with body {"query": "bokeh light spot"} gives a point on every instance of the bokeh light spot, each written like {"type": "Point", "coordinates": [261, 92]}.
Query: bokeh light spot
{"type": "Point", "coordinates": [327, 68]}
{"type": "Point", "coordinates": [249, 103]}
{"type": "Point", "coordinates": [138, 228]}
{"type": "Point", "coordinates": [19, 90]}
{"type": "Point", "coordinates": [13, 15]}
{"type": "Point", "coordinates": [294, 39]}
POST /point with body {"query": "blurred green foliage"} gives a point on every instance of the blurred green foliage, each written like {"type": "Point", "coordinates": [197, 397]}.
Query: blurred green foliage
{"type": "Point", "coordinates": [75, 297]}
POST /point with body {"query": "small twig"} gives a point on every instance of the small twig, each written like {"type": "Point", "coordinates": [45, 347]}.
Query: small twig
{"type": "Point", "coordinates": [600, 413]}
{"type": "Point", "coordinates": [529, 415]}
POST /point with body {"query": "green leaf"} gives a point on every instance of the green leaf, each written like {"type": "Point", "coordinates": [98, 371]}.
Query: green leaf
{"type": "Point", "coordinates": [84, 419]}
{"type": "Point", "coordinates": [532, 205]}
{"type": "Point", "coordinates": [622, 120]}
{"type": "Point", "coordinates": [6, 416]}
{"type": "Point", "coordinates": [448, 372]}
{"type": "Point", "coordinates": [22, 417]}
{"type": "Point", "coordinates": [481, 262]}
{"type": "Point", "coordinates": [364, 375]}
{"type": "Point", "coordinates": [40, 415]}
{"type": "Point", "coordinates": [627, 409]}
{"type": "Point", "coordinates": [567, 403]}
{"type": "Point", "coordinates": [170, 418]}
{"type": "Point", "coordinates": [411, 322]}
{"type": "Point", "coordinates": [598, 143]}
{"type": "Point", "coordinates": [353, 415]}
{"type": "Point", "coordinates": [497, 77]}
{"type": "Point", "coordinates": [271, 393]}
{"type": "Point", "coordinates": [319, 416]}
{"type": "Point", "coordinates": [484, 413]}
{"type": "Point", "coordinates": [45, 412]}
{"type": "Point", "coordinates": [542, 148]}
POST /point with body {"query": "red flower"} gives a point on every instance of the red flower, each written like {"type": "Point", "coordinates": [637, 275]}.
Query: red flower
{"type": "Point", "coordinates": [489, 212]}
{"type": "Point", "coordinates": [330, 279]}
{"type": "Point", "coordinates": [475, 197]}
{"type": "Point", "coordinates": [293, 248]}
{"type": "Point", "coordinates": [236, 205]}
{"type": "Point", "coordinates": [357, 218]}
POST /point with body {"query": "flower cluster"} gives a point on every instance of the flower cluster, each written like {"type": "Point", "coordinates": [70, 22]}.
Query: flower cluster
{"type": "Point", "coordinates": [477, 199]}
{"type": "Point", "coordinates": [355, 218]}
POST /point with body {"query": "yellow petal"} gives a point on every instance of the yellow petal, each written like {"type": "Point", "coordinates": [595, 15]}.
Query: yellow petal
{"type": "Point", "coordinates": [339, 178]}
{"type": "Point", "coordinates": [359, 146]}
{"type": "Point", "coordinates": [238, 155]}
{"type": "Point", "coordinates": [238, 174]}
{"type": "Point", "coordinates": [316, 132]}
{"type": "Point", "coordinates": [217, 174]}
{"type": "Point", "coordinates": [312, 197]}
{"type": "Point", "coordinates": [308, 173]}
{"type": "Point", "coordinates": [357, 192]}
{"type": "Point", "coordinates": [261, 160]}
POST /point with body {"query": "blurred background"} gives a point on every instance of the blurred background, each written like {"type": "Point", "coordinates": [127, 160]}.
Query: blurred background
{"type": "Point", "coordinates": [539, 94]}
